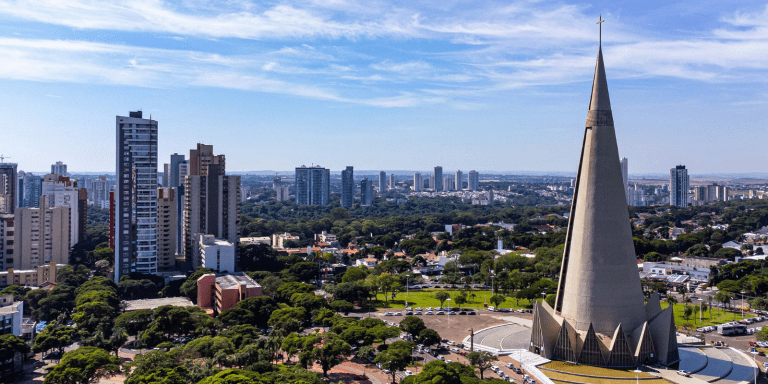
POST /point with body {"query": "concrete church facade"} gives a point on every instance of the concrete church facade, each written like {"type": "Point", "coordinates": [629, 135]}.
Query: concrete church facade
{"type": "Point", "coordinates": [600, 317]}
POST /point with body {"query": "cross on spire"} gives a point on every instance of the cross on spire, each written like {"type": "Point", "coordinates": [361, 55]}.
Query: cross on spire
{"type": "Point", "coordinates": [600, 23]}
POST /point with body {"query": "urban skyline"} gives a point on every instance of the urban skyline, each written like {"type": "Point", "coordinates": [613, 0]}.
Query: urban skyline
{"type": "Point", "coordinates": [431, 80]}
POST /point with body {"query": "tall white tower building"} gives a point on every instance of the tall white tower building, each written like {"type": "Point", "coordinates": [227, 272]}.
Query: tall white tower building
{"type": "Point", "coordinates": [459, 180]}
{"type": "Point", "coordinates": [135, 195]}
{"type": "Point", "coordinates": [418, 182]}
{"type": "Point", "coordinates": [473, 181]}
{"type": "Point", "coordinates": [625, 175]}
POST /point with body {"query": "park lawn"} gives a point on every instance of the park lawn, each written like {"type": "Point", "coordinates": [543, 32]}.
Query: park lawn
{"type": "Point", "coordinates": [719, 316]}
{"type": "Point", "coordinates": [565, 378]}
{"type": "Point", "coordinates": [426, 298]}
{"type": "Point", "coordinates": [591, 371]}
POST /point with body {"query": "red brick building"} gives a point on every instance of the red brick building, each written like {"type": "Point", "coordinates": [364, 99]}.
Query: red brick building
{"type": "Point", "coordinates": [216, 294]}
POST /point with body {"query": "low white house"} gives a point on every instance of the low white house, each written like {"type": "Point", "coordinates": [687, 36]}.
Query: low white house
{"type": "Point", "coordinates": [367, 262]}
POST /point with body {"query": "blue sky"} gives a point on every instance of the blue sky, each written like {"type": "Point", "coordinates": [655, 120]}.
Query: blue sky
{"type": "Point", "coordinates": [386, 85]}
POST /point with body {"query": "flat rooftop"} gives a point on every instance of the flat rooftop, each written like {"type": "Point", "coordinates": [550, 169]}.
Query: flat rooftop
{"type": "Point", "coordinates": [232, 281]}
{"type": "Point", "coordinates": [136, 305]}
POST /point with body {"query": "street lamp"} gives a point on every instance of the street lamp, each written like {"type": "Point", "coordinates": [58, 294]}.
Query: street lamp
{"type": "Point", "coordinates": [757, 369]}
{"type": "Point", "coordinates": [406, 290]}
{"type": "Point", "coordinates": [637, 375]}
{"type": "Point", "coordinates": [700, 301]}
{"type": "Point", "coordinates": [742, 305]}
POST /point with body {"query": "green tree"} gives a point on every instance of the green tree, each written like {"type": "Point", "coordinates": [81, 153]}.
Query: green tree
{"type": "Point", "coordinates": [342, 306]}
{"type": "Point", "coordinates": [332, 352]}
{"type": "Point", "coordinates": [687, 312]}
{"type": "Point", "coordinates": [442, 296]}
{"type": "Point", "coordinates": [85, 365]}
{"type": "Point", "coordinates": [723, 298]}
{"type": "Point", "coordinates": [54, 336]}
{"type": "Point", "coordinates": [208, 346]}
{"type": "Point", "coordinates": [354, 274]}
{"type": "Point", "coordinates": [413, 325]}
{"type": "Point", "coordinates": [395, 358]}
{"type": "Point", "coordinates": [481, 360]}
{"type": "Point", "coordinates": [135, 321]}
{"type": "Point", "coordinates": [10, 345]}
{"type": "Point", "coordinates": [460, 299]}
{"type": "Point", "coordinates": [429, 336]}
{"type": "Point", "coordinates": [496, 300]}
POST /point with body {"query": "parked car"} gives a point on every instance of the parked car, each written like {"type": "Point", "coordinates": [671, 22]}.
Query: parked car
{"type": "Point", "coordinates": [683, 373]}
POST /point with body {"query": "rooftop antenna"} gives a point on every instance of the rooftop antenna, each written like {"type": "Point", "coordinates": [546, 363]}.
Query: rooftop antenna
{"type": "Point", "coordinates": [600, 23]}
{"type": "Point", "coordinates": [3, 157]}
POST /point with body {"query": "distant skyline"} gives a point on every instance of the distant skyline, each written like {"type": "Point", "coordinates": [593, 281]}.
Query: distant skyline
{"type": "Point", "coordinates": [492, 86]}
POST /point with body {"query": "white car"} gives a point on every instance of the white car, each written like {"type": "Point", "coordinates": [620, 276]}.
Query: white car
{"type": "Point", "coordinates": [683, 373]}
{"type": "Point", "coordinates": [448, 361]}
{"type": "Point", "coordinates": [441, 358]}
{"type": "Point", "coordinates": [408, 373]}
{"type": "Point", "coordinates": [492, 308]}
{"type": "Point", "coordinates": [388, 314]}
{"type": "Point", "coordinates": [451, 342]}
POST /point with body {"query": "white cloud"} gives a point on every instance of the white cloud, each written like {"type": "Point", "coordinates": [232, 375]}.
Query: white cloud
{"type": "Point", "coordinates": [454, 53]}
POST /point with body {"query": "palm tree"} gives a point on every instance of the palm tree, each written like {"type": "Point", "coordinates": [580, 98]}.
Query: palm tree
{"type": "Point", "coordinates": [672, 301]}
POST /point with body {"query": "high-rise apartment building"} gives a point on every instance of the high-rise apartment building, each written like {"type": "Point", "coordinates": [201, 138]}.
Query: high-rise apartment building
{"type": "Point", "coordinates": [313, 185]}
{"type": "Point", "coordinates": [277, 181]}
{"type": "Point", "coordinates": [473, 181]}
{"type": "Point", "coordinates": [347, 187]}
{"type": "Point", "coordinates": [625, 176]}
{"type": "Point", "coordinates": [60, 191]}
{"type": "Point", "coordinates": [135, 195]}
{"type": "Point", "coordinates": [707, 193]}
{"type": "Point", "coordinates": [432, 181]}
{"type": "Point", "coordinates": [211, 203]}
{"type": "Point", "coordinates": [7, 248]}
{"type": "Point", "coordinates": [41, 236]}
{"type": "Point", "coordinates": [382, 181]}
{"type": "Point", "coordinates": [30, 189]}
{"type": "Point", "coordinates": [202, 157]}
{"type": "Point", "coordinates": [448, 183]}
{"type": "Point", "coordinates": [281, 193]}
{"type": "Point", "coordinates": [678, 186]}
{"type": "Point", "coordinates": [59, 169]}
{"type": "Point", "coordinates": [176, 178]}
{"type": "Point", "coordinates": [392, 181]}
{"type": "Point", "coordinates": [459, 180]}
{"type": "Point", "coordinates": [439, 179]}
{"type": "Point", "coordinates": [167, 228]}
{"type": "Point", "coordinates": [9, 191]}
{"type": "Point", "coordinates": [100, 192]}
{"type": "Point", "coordinates": [418, 182]}
{"type": "Point", "coordinates": [183, 171]}
{"type": "Point", "coordinates": [366, 192]}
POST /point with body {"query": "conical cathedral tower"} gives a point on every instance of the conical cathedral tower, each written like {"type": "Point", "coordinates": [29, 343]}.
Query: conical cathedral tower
{"type": "Point", "coordinates": [600, 317]}
{"type": "Point", "coordinates": [599, 283]}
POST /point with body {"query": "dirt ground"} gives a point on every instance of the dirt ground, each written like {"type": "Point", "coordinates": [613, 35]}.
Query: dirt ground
{"type": "Point", "coordinates": [453, 327]}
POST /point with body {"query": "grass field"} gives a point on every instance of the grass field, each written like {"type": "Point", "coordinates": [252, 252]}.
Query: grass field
{"type": "Point", "coordinates": [592, 371]}
{"type": "Point", "coordinates": [564, 378]}
{"type": "Point", "coordinates": [719, 316]}
{"type": "Point", "coordinates": [426, 298]}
